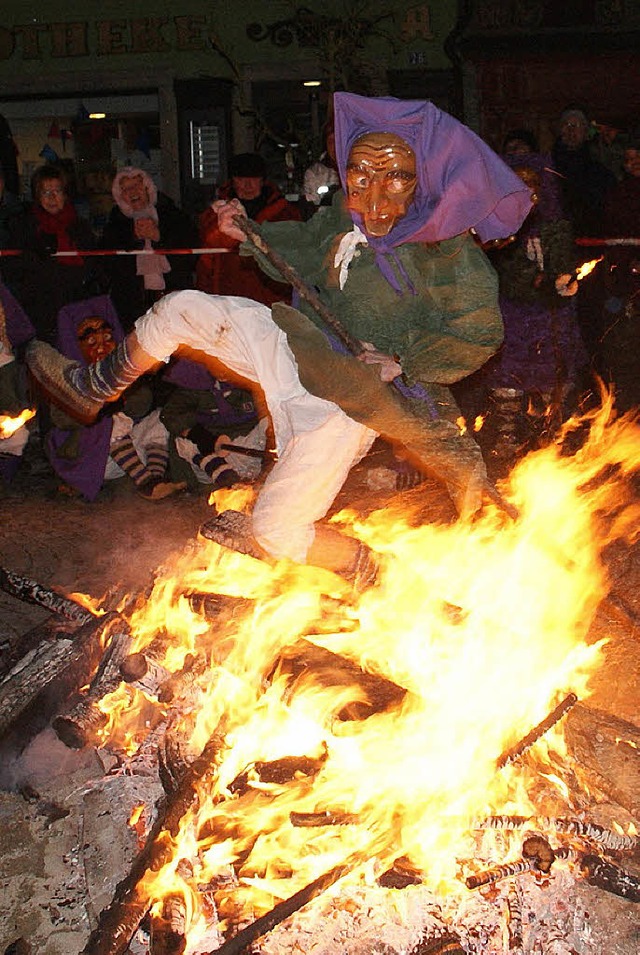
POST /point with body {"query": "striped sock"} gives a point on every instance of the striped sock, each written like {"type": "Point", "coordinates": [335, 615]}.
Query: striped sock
{"type": "Point", "coordinates": [218, 468]}
{"type": "Point", "coordinates": [157, 459]}
{"type": "Point", "coordinates": [126, 456]}
{"type": "Point", "coordinates": [108, 377]}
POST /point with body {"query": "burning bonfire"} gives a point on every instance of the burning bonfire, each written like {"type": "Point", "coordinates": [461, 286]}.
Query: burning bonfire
{"type": "Point", "coordinates": [318, 745]}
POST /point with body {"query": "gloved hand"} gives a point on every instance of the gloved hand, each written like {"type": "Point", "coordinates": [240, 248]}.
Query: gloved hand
{"type": "Point", "coordinates": [566, 285]}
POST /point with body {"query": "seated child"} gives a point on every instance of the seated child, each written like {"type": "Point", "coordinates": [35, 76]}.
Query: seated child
{"type": "Point", "coordinates": [128, 437]}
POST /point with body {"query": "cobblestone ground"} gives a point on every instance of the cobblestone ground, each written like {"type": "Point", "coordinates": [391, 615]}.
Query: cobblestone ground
{"type": "Point", "coordinates": [52, 889]}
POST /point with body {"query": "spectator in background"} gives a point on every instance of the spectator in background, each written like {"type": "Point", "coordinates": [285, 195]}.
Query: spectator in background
{"type": "Point", "coordinates": [621, 271]}
{"type": "Point", "coordinates": [608, 146]}
{"type": "Point", "coordinates": [519, 142]}
{"type": "Point", "coordinates": [585, 185]}
{"type": "Point", "coordinates": [531, 378]}
{"type": "Point", "coordinates": [15, 331]}
{"type": "Point", "coordinates": [585, 181]}
{"type": "Point", "coordinates": [230, 273]}
{"type": "Point", "coordinates": [41, 282]}
{"type": "Point", "coordinates": [11, 208]}
{"type": "Point", "coordinates": [9, 157]}
{"type": "Point", "coordinates": [145, 219]}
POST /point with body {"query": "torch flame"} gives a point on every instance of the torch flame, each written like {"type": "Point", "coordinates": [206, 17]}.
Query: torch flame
{"type": "Point", "coordinates": [587, 268]}
{"type": "Point", "coordinates": [9, 426]}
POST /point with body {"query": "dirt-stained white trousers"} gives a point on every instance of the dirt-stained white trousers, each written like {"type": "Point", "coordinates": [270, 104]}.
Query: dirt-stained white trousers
{"type": "Point", "coordinates": [316, 442]}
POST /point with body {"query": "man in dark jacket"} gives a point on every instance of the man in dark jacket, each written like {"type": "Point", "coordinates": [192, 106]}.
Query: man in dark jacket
{"type": "Point", "coordinates": [230, 273]}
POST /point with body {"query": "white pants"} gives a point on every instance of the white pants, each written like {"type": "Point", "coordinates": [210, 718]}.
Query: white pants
{"type": "Point", "coordinates": [316, 442]}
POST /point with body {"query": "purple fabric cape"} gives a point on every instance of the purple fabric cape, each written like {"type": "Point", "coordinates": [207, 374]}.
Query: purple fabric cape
{"type": "Point", "coordinates": [19, 327]}
{"type": "Point", "coordinates": [462, 184]}
{"type": "Point", "coordinates": [86, 471]}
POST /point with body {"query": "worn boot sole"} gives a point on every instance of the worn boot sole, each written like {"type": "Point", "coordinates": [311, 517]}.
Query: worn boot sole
{"type": "Point", "coordinates": [48, 367]}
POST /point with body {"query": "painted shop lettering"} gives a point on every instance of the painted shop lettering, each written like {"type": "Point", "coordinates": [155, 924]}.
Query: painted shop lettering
{"type": "Point", "coordinates": [35, 41]}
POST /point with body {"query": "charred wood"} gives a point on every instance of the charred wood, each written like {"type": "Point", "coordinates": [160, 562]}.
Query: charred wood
{"type": "Point", "coordinates": [262, 925]}
{"type": "Point", "coordinates": [46, 679]}
{"type": "Point", "coordinates": [118, 922]}
{"type": "Point", "coordinates": [144, 671]}
{"type": "Point", "coordinates": [313, 820]}
{"type": "Point", "coordinates": [447, 944]}
{"type": "Point", "coordinates": [605, 875]}
{"type": "Point", "coordinates": [168, 928]}
{"type": "Point", "coordinates": [604, 837]}
{"type": "Point", "coordinates": [34, 593]}
{"type": "Point", "coordinates": [305, 660]}
{"type": "Point", "coordinates": [279, 771]}
{"type": "Point", "coordinates": [53, 628]}
{"type": "Point", "coordinates": [511, 754]}
{"type": "Point", "coordinates": [82, 723]}
{"type": "Point", "coordinates": [537, 855]}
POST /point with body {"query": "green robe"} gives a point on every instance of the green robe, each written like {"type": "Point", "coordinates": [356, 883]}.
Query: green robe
{"type": "Point", "coordinates": [445, 331]}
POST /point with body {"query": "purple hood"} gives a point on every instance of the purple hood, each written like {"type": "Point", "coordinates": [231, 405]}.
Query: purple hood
{"type": "Point", "coordinates": [462, 183]}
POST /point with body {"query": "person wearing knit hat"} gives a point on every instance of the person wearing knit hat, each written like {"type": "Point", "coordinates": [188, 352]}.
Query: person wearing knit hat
{"type": "Point", "coordinates": [231, 273]}
{"type": "Point", "coordinates": [144, 218]}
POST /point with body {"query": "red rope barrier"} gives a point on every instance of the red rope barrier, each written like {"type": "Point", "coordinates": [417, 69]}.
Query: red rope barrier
{"type": "Point", "coordinates": [75, 253]}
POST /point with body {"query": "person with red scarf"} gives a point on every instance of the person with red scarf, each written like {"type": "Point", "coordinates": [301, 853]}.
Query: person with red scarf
{"type": "Point", "coordinates": [42, 282]}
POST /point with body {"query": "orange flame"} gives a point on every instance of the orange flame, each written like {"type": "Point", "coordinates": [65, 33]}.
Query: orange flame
{"type": "Point", "coordinates": [9, 426]}
{"type": "Point", "coordinates": [477, 627]}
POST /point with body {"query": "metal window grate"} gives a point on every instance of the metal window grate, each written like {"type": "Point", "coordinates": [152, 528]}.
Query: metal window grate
{"type": "Point", "coordinates": [205, 152]}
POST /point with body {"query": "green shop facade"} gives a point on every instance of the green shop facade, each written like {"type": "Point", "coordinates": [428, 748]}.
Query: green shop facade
{"type": "Point", "coordinates": [179, 87]}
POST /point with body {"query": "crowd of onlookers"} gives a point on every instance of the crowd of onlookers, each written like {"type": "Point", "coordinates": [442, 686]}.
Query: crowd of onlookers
{"type": "Point", "coordinates": [189, 427]}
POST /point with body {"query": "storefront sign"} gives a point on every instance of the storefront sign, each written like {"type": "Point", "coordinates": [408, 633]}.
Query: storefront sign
{"type": "Point", "coordinates": [138, 35]}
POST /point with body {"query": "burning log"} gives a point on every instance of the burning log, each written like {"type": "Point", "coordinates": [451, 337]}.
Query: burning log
{"type": "Point", "coordinates": [82, 723]}
{"type": "Point", "coordinates": [313, 820]}
{"type": "Point", "coordinates": [169, 928]}
{"type": "Point", "coordinates": [12, 652]}
{"type": "Point", "coordinates": [605, 875]}
{"type": "Point", "coordinates": [606, 838]}
{"type": "Point", "coordinates": [118, 922]}
{"type": "Point", "coordinates": [331, 669]}
{"type": "Point", "coordinates": [537, 854]}
{"type": "Point", "coordinates": [509, 755]}
{"type": "Point", "coordinates": [262, 925]}
{"type": "Point", "coordinates": [144, 670]}
{"type": "Point", "coordinates": [32, 692]}
{"type": "Point", "coordinates": [447, 944]}
{"type": "Point", "coordinates": [34, 593]}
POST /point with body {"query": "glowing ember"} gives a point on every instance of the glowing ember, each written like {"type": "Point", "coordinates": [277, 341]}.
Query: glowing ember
{"type": "Point", "coordinates": [9, 426]}
{"type": "Point", "coordinates": [481, 626]}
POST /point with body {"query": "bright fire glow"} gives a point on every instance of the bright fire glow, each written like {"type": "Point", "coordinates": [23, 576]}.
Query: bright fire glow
{"type": "Point", "coordinates": [476, 630]}
{"type": "Point", "coordinates": [9, 426]}
{"type": "Point", "coordinates": [587, 268]}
